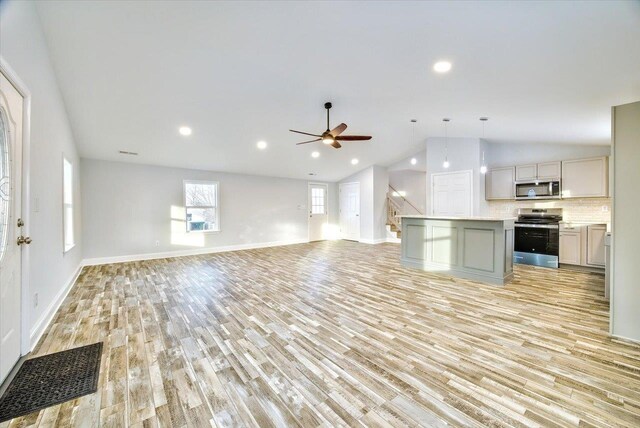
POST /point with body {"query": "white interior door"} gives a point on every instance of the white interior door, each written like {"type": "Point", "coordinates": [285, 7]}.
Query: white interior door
{"type": "Point", "coordinates": [452, 194]}
{"type": "Point", "coordinates": [318, 211]}
{"type": "Point", "coordinates": [350, 211]}
{"type": "Point", "coordinates": [11, 117]}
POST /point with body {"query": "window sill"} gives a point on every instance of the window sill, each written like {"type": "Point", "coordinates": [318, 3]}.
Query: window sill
{"type": "Point", "coordinates": [203, 231]}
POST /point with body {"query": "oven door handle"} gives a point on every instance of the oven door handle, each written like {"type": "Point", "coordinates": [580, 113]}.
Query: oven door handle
{"type": "Point", "coordinates": [538, 226]}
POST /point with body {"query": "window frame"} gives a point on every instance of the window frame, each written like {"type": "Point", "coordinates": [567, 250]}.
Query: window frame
{"type": "Point", "coordinates": [216, 207]}
{"type": "Point", "coordinates": [65, 246]}
{"type": "Point", "coordinates": [324, 191]}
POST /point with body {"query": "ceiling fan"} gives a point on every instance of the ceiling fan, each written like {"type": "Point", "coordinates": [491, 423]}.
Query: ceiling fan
{"type": "Point", "coordinates": [332, 137]}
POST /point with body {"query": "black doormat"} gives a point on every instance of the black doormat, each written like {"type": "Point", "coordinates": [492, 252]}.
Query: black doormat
{"type": "Point", "coordinates": [52, 379]}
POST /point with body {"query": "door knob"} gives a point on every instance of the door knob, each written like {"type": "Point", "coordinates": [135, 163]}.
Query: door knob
{"type": "Point", "coordinates": [24, 240]}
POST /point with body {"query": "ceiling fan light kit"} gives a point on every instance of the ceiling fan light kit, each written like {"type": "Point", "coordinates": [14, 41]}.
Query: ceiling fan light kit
{"type": "Point", "coordinates": [332, 137]}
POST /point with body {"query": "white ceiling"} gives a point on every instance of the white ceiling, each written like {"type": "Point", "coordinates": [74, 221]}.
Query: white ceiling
{"type": "Point", "coordinates": [132, 72]}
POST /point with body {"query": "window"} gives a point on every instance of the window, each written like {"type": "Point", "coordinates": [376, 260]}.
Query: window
{"type": "Point", "coordinates": [67, 204]}
{"type": "Point", "coordinates": [318, 205]}
{"type": "Point", "coordinates": [201, 206]}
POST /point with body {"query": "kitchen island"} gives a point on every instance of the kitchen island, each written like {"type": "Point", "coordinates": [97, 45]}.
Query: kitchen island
{"type": "Point", "coordinates": [476, 248]}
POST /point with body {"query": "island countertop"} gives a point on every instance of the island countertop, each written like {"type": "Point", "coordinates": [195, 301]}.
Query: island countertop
{"type": "Point", "coordinates": [432, 217]}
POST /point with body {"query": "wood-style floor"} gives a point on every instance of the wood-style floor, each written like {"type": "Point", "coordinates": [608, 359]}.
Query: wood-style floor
{"type": "Point", "coordinates": [336, 334]}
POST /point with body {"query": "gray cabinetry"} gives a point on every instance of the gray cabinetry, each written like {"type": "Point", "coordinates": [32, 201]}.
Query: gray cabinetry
{"type": "Point", "coordinates": [499, 183]}
{"type": "Point", "coordinates": [585, 178]}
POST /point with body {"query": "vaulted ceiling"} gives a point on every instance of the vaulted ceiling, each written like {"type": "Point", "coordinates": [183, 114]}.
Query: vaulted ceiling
{"type": "Point", "coordinates": [132, 72]}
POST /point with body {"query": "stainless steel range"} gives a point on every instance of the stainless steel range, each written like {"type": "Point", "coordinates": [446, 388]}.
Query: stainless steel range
{"type": "Point", "coordinates": [537, 236]}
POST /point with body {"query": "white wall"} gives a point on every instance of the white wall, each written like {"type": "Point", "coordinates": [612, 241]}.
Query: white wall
{"type": "Point", "coordinates": [374, 184]}
{"type": "Point", "coordinates": [413, 184]}
{"type": "Point", "coordinates": [23, 47]}
{"type": "Point", "coordinates": [625, 291]}
{"type": "Point", "coordinates": [463, 154]}
{"type": "Point", "coordinates": [380, 189]}
{"type": "Point", "coordinates": [129, 207]}
{"type": "Point", "coordinates": [505, 154]}
{"type": "Point", "coordinates": [405, 164]}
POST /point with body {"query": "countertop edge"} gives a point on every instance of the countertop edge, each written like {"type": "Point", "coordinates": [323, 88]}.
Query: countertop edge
{"type": "Point", "coordinates": [423, 217]}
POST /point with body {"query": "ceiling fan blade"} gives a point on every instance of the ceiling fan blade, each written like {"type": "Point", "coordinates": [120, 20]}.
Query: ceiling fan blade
{"type": "Point", "coordinates": [353, 137]}
{"type": "Point", "coordinates": [305, 133]}
{"type": "Point", "coordinates": [338, 129]}
{"type": "Point", "coordinates": [336, 145]}
{"type": "Point", "coordinates": [310, 141]}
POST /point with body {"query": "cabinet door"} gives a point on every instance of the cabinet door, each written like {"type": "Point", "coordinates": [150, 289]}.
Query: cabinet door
{"type": "Point", "coordinates": [549, 170]}
{"type": "Point", "coordinates": [585, 178]}
{"type": "Point", "coordinates": [570, 248]}
{"type": "Point", "coordinates": [499, 183]}
{"type": "Point", "coordinates": [526, 172]}
{"type": "Point", "coordinates": [595, 245]}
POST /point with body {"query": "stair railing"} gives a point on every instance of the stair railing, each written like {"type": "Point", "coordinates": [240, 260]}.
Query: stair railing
{"type": "Point", "coordinates": [398, 205]}
{"type": "Point", "coordinates": [393, 212]}
{"type": "Point", "coordinates": [405, 202]}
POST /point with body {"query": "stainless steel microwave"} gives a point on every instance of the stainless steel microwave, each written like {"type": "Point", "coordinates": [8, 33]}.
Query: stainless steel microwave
{"type": "Point", "coordinates": [538, 189]}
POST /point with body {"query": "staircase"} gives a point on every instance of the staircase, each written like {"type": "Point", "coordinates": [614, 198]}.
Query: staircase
{"type": "Point", "coordinates": [397, 205]}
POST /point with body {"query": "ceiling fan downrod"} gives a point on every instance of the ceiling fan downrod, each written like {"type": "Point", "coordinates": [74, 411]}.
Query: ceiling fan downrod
{"type": "Point", "coordinates": [327, 105]}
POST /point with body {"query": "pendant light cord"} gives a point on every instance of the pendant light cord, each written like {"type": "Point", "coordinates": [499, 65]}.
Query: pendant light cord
{"type": "Point", "coordinates": [446, 141]}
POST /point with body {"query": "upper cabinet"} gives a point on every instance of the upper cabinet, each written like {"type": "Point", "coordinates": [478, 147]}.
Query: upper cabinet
{"type": "Point", "coordinates": [549, 170]}
{"type": "Point", "coordinates": [540, 171]}
{"type": "Point", "coordinates": [585, 178]}
{"type": "Point", "coordinates": [499, 183]}
{"type": "Point", "coordinates": [526, 172]}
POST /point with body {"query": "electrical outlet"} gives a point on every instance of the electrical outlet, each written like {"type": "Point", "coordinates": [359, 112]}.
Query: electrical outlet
{"type": "Point", "coordinates": [157, 243]}
{"type": "Point", "coordinates": [35, 300]}
{"type": "Point", "coordinates": [605, 208]}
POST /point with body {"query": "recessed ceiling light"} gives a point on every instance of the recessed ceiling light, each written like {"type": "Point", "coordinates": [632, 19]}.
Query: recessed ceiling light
{"type": "Point", "coordinates": [185, 130]}
{"type": "Point", "coordinates": [354, 161]}
{"type": "Point", "coordinates": [414, 161]}
{"type": "Point", "coordinates": [261, 145]}
{"type": "Point", "coordinates": [442, 66]}
{"type": "Point", "coordinates": [315, 154]}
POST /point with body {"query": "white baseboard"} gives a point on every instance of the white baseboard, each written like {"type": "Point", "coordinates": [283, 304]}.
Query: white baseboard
{"type": "Point", "coordinates": [626, 339]}
{"type": "Point", "coordinates": [45, 319]}
{"type": "Point", "coordinates": [189, 252]}
{"type": "Point", "coordinates": [393, 240]}
{"type": "Point", "coordinates": [373, 241]}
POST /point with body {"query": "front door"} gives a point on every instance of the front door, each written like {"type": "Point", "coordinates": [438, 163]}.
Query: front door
{"type": "Point", "coordinates": [318, 216]}
{"type": "Point", "coordinates": [10, 211]}
{"type": "Point", "coordinates": [350, 211]}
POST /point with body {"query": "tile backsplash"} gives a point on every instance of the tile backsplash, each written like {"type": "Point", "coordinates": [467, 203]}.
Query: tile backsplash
{"type": "Point", "coordinates": [587, 210]}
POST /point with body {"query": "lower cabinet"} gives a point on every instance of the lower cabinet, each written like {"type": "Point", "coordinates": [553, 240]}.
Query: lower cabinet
{"type": "Point", "coordinates": [595, 244]}
{"type": "Point", "coordinates": [570, 248]}
{"type": "Point", "coordinates": [582, 244]}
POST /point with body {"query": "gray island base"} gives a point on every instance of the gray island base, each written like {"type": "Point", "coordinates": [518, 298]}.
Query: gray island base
{"type": "Point", "coordinates": [476, 248]}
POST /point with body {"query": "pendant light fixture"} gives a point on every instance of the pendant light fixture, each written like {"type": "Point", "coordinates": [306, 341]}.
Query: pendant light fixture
{"type": "Point", "coordinates": [413, 138]}
{"type": "Point", "coordinates": [483, 168]}
{"type": "Point", "coordinates": [446, 164]}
